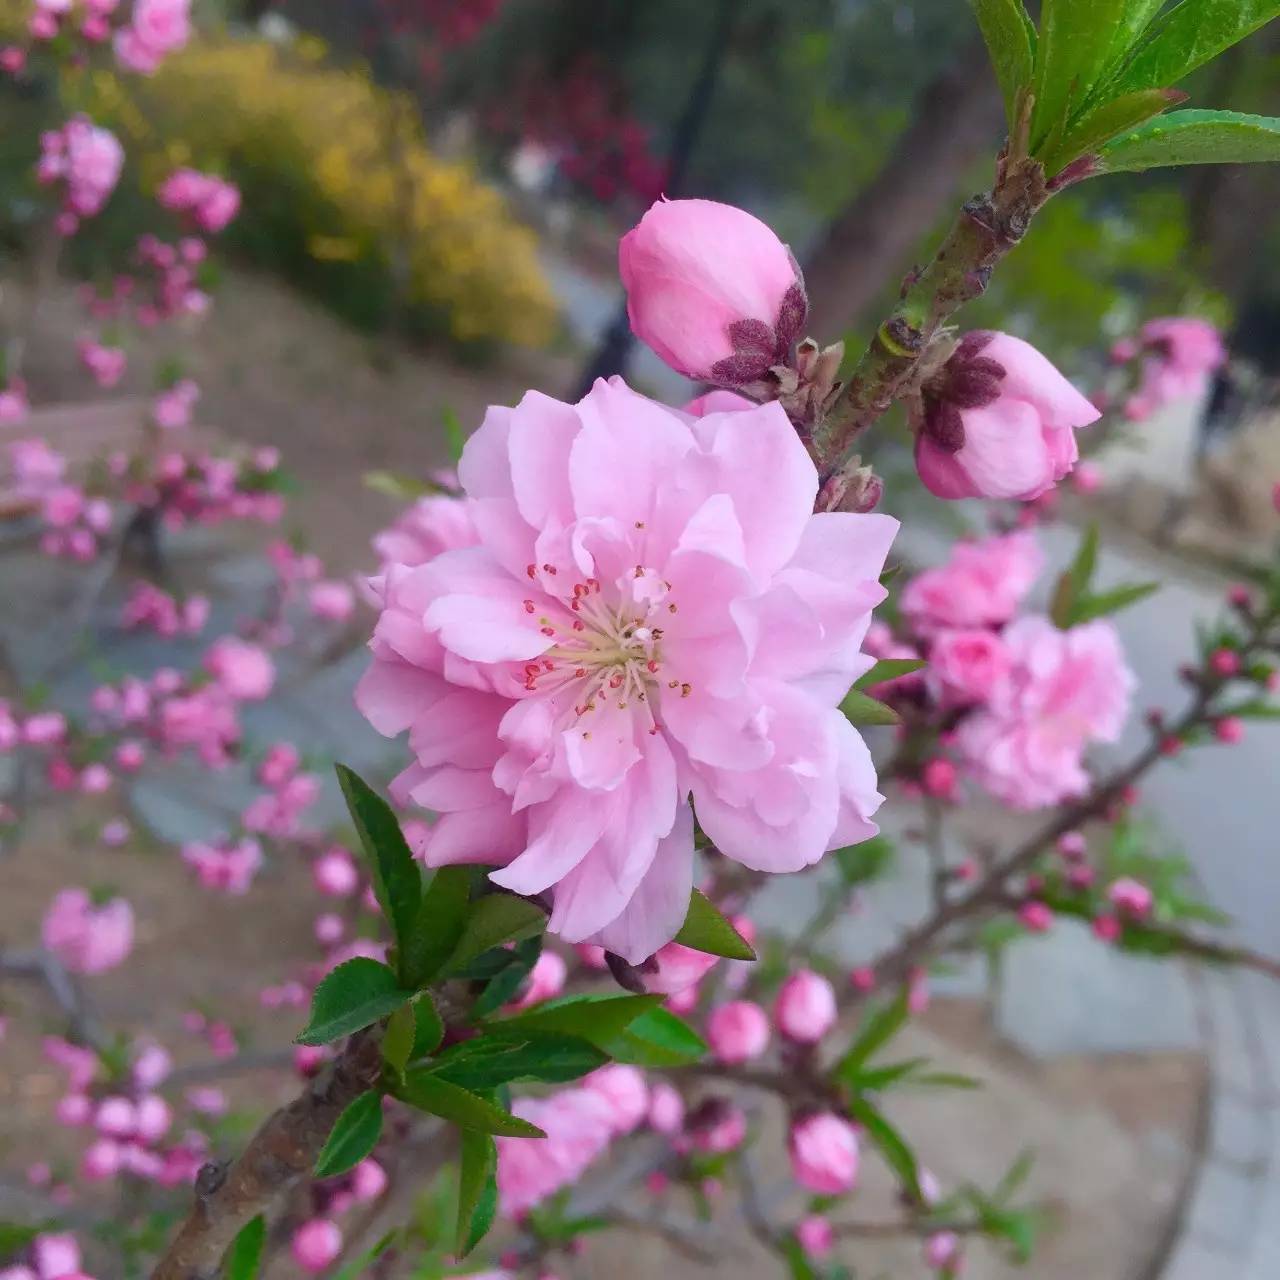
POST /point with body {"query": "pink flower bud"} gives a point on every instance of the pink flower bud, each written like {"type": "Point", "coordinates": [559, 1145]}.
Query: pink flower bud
{"type": "Point", "coordinates": [1036, 917]}
{"type": "Point", "coordinates": [100, 1161]}
{"type": "Point", "coordinates": [73, 1110]}
{"type": "Point", "coordinates": [335, 874]}
{"type": "Point", "coordinates": [1106, 928]}
{"type": "Point", "coordinates": [806, 1007]}
{"type": "Point", "coordinates": [1224, 662]}
{"type": "Point", "coordinates": [815, 1237]}
{"type": "Point", "coordinates": [999, 422]}
{"type": "Point", "coordinates": [712, 290]}
{"type": "Point", "coordinates": [1130, 896]}
{"type": "Point", "coordinates": [57, 1257]}
{"type": "Point", "coordinates": [942, 1250]}
{"type": "Point", "coordinates": [677, 968]}
{"type": "Point", "coordinates": [1229, 730]}
{"type": "Point", "coordinates": [863, 979]}
{"type": "Point", "coordinates": [316, 1244]}
{"type": "Point", "coordinates": [154, 1118]}
{"type": "Point", "coordinates": [332, 601]}
{"type": "Point", "coordinates": [546, 979]}
{"type": "Point", "coordinates": [724, 1131]}
{"type": "Point", "coordinates": [938, 778]}
{"type": "Point", "coordinates": [738, 1031]}
{"type": "Point", "coordinates": [824, 1154]}
{"type": "Point", "coordinates": [116, 1117]}
{"type": "Point", "coordinates": [368, 1180]}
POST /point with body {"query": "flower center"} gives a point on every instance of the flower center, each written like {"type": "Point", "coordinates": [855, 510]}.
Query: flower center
{"type": "Point", "coordinates": [608, 644]}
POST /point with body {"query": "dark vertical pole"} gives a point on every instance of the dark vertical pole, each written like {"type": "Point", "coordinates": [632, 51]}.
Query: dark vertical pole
{"type": "Point", "coordinates": [614, 351]}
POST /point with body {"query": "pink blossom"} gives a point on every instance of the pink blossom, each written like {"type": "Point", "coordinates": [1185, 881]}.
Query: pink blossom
{"type": "Point", "coordinates": [106, 364]}
{"type": "Point", "coordinates": [368, 1180]}
{"type": "Point", "coordinates": [546, 979]}
{"type": "Point", "coordinates": [279, 764]}
{"type": "Point", "coordinates": [151, 1067]}
{"type": "Point", "coordinates": [85, 937]}
{"type": "Point", "coordinates": [1087, 478]}
{"type": "Point", "coordinates": [723, 1129]}
{"type": "Point", "coordinates": [824, 1154]}
{"type": "Point", "coordinates": [335, 874]}
{"type": "Point", "coordinates": [942, 1251]}
{"type": "Point", "coordinates": [676, 968]}
{"type": "Point", "coordinates": [815, 1236]}
{"type": "Point", "coordinates": [654, 612]}
{"type": "Point", "coordinates": [35, 465]}
{"type": "Point", "coordinates": [431, 525]}
{"type": "Point", "coordinates": [13, 403]}
{"type": "Point", "coordinates": [171, 409]}
{"type": "Point", "coordinates": [211, 201]}
{"type": "Point", "coordinates": [1180, 353]}
{"type": "Point", "coordinates": [13, 59]}
{"type": "Point", "coordinates": [712, 290]}
{"type": "Point", "coordinates": [806, 1007]}
{"type": "Point", "coordinates": [738, 1031]}
{"type": "Point", "coordinates": [1224, 662]}
{"type": "Point", "coordinates": [101, 1160]}
{"type": "Point", "coordinates": [1131, 896]}
{"type": "Point", "coordinates": [226, 867]}
{"type": "Point", "coordinates": [57, 1257]}
{"type": "Point", "coordinates": [717, 401]}
{"type": "Point", "coordinates": [316, 1244]}
{"type": "Point", "coordinates": [244, 670]}
{"type": "Point", "coordinates": [156, 28]}
{"type": "Point", "coordinates": [1036, 917]}
{"type": "Point", "coordinates": [1064, 690]}
{"type": "Point", "coordinates": [938, 778]}
{"type": "Point", "coordinates": [999, 421]}
{"type": "Point", "coordinates": [87, 159]}
{"type": "Point", "coordinates": [579, 1128]}
{"type": "Point", "coordinates": [981, 585]}
{"type": "Point", "coordinates": [1229, 730]}
{"type": "Point", "coordinates": [666, 1109]}
{"type": "Point", "coordinates": [626, 1092]}
{"type": "Point", "coordinates": [45, 728]}
{"type": "Point", "coordinates": [967, 665]}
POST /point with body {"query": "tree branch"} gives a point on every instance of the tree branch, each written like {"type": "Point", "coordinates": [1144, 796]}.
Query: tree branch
{"type": "Point", "coordinates": [283, 1151]}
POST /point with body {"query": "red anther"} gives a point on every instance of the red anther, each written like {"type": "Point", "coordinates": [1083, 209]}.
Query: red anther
{"type": "Point", "coordinates": [547, 631]}
{"type": "Point", "coordinates": [653, 666]}
{"type": "Point", "coordinates": [531, 570]}
{"type": "Point", "coordinates": [578, 624]}
{"type": "Point", "coordinates": [528, 606]}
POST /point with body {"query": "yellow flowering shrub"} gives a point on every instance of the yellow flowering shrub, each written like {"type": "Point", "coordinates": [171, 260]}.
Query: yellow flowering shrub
{"type": "Point", "coordinates": [340, 189]}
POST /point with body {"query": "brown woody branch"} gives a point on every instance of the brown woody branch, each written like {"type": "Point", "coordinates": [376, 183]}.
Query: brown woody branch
{"type": "Point", "coordinates": [279, 1155]}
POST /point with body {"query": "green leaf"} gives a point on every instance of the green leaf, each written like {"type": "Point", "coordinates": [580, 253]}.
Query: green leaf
{"type": "Point", "coordinates": [862, 710]}
{"type": "Point", "coordinates": [1188, 36]}
{"type": "Point", "coordinates": [1013, 1180]}
{"type": "Point", "coordinates": [395, 484]}
{"type": "Point", "coordinates": [1008, 33]}
{"type": "Point", "coordinates": [355, 1133]}
{"type": "Point", "coordinates": [356, 994]}
{"type": "Point", "coordinates": [442, 918]}
{"type": "Point", "coordinates": [396, 878]}
{"type": "Point", "coordinates": [401, 1032]}
{"type": "Point", "coordinates": [599, 1019]}
{"type": "Point", "coordinates": [245, 1255]}
{"type": "Point", "coordinates": [947, 1080]}
{"type": "Point", "coordinates": [503, 986]}
{"type": "Point", "coordinates": [358, 1268]}
{"type": "Point", "coordinates": [869, 860]}
{"type": "Point", "coordinates": [1074, 50]}
{"type": "Point", "coordinates": [1194, 137]}
{"type": "Point", "coordinates": [476, 1166]}
{"type": "Point", "coordinates": [428, 1028]}
{"type": "Point", "coordinates": [657, 1038]}
{"type": "Point", "coordinates": [1101, 125]}
{"type": "Point", "coordinates": [879, 1028]}
{"type": "Point", "coordinates": [877, 1079]}
{"type": "Point", "coordinates": [898, 1155]}
{"type": "Point", "coordinates": [889, 669]}
{"type": "Point", "coordinates": [705, 929]}
{"type": "Point", "coordinates": [459, 1106]}
{"type": "Point", "coordinates": [1074, 582]}
{"type": "Point", "coordinates": [1108, 602]}
{"type": "Point", "coordinates": [487, 1063]}
{"type": "Point", "coordinates": [1254, 709]}
{"type": "Point", "coordinates": [493, 920]}
{"type": "Point", "coordinates": [453, 433]}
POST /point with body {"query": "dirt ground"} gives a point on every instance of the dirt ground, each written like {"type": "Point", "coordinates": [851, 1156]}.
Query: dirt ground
{"type": "Point", "coordinates": [1116, 1137]}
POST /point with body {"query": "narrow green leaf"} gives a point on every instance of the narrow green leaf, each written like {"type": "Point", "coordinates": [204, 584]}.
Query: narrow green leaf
{"type": "Point", "coordinates": [493, 920]}
{"type": "Point", "coordinates": [485, 1212]}
{"type": "Point", "coordinates": [454, 435]}
{"type": "Point", "coordinates": [1075, 46]}
{"type": "Point", "coordinates": [395, 484]}
{"type": "Point", "coordinates": [476, 1165]}
{"type": "Point", "coordinates": [1194, 137]}
{"type": "Point", "coordinates": [1013, 1180]}
{"type": "Point", "coordinates": [397, 1041]}
{"type": "Point", "coordinates": [1108, 602]}
{"type": "Point", "coordinates": [1188, 36]}
{"type": "Point", "coordinates": [657, 1038]}
{"type": "Point", "coordinates": [862, 710]}
{"type": "Point", "coordinates": [396, 878]}
{"type": "Point", "coordinates": [1097, 128]}
{"type": "Point", "coordinates": [869, 860]}
{"type": "Point", "coordinates": [355, 995]}
{"type": "Point", "coordinates": [947, 1080]}
{"type": "Point", "coordinates": [1008, 33]}
{"type": "Point", "coordinates": [888, 669]}
{"type": "Point", "coordinates": [245, 1255]}
{"type": "Point", "coordinates": [705, 929]}
{"type": "Point", "coordinates": [879, 1028]}
{"type": "Point", "coordinates": [487, 1063]}
{"type": "Point", "coordinates": [897, 1154]}
{"type": "Point", "coordinates": [459, 1106]}
{"type": "Point", "coordinates": [1074, 582]}
{"type": "Point", "coordinates": [599, 1019]}
{"type": "Point", "coordinates": [358, 1268]}
{"type": "Point", "coordinates": [877, 1079]}
{"type": "Point", "coordinates": [355, 1133]}
{"type": "Point", "coordinates": [441, 919]}
{"type": "Point", "coordinates": [1254, 709]}
{"type": "Point", "coordinates": [506, 983]}
{"type": "Point", "coordinates": [428, 1028]}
